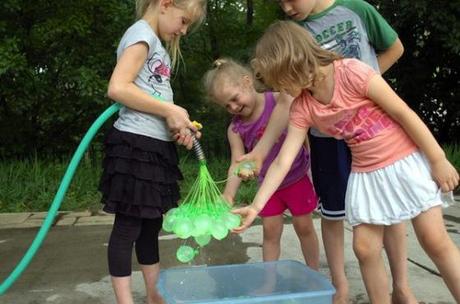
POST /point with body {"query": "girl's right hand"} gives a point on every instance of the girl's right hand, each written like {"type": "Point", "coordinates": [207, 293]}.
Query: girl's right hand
{"type": "Point", "coordinates": [445, 175]}
{"type": "Point", "coordinates": [178, 120]}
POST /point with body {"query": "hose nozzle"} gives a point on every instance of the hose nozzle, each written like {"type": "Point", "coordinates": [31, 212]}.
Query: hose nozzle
{"type": "Point", "coordinates": [198, 150]}
{"type": "Point", "coordinates": [196, 144]}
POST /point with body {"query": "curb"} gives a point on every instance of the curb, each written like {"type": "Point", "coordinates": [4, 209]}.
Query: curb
{"type": "Point", "coordinates": [63, 218]}
{"type": "Point", "coordinates": [17, 220]}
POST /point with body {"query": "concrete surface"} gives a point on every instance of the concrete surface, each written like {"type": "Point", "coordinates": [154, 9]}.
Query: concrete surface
{"type": "Point", "coordinates": [70, 267]}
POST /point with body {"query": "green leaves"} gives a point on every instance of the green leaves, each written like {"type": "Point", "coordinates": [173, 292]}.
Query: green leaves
{"type": "Point", "coordinates": [55, 61]}
{"type": "Point", "coordinates": [56, 58]}
{"type": "Point", "coordinates": [427, 76]}
{"type": "Point", "coordinates": [11, 58]}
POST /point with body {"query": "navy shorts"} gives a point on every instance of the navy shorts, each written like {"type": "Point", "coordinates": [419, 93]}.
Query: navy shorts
{"type": "Point", "coordinates": [330, 167]}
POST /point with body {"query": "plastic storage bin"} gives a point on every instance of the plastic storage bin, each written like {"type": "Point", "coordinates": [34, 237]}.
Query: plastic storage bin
{"type": "Point", "coordinates": [279, 282]}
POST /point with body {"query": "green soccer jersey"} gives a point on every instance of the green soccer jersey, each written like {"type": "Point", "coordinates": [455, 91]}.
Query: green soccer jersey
{"type": "Point", "coordinates": [352, 28]}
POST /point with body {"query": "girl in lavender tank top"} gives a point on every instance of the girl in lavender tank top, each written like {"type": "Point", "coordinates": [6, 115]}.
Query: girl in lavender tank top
{"type": "Point", "coordinates": [231, 86]}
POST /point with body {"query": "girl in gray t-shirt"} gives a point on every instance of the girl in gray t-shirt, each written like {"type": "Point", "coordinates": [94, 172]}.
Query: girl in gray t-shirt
{"type": "Point", "coordinates": [140, 168]}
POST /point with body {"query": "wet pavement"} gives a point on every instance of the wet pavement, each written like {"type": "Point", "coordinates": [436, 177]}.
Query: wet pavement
{"type": "Point", "coordinates": [71, 266]}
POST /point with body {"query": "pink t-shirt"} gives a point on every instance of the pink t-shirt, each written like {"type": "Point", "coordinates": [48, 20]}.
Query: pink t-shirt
{"type": "Point", "coordinates": [374, 138]}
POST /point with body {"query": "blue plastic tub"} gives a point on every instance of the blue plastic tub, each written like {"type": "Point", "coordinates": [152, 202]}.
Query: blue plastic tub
{"type": "Point", "coordinates": [279, 282]}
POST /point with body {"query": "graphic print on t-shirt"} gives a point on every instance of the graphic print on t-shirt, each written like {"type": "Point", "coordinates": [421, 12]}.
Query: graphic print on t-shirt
{"type": "Point", "coordinates": [343, 38]}
{"type": "Point", "coordinates": [159, 72]}
{"type": "Point", "coordinates": [358, 126]}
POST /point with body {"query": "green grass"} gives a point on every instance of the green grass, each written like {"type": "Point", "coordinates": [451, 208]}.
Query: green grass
{"type": "Point", "coordinates": [30, 185]}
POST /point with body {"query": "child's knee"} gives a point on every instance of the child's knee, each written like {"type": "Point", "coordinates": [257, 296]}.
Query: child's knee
{"type": "Point", "coordinates": [303, 225]}
{"type": "Point", "coordinates": [365, 250]}
{"type": "Point", "coordinates": [306, 232]}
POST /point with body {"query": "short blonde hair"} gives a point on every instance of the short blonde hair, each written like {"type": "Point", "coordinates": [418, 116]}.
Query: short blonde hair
{"type": "Point", "coordinates": [286, 56]}
{"type": "Point", "coordinates": [224, 71]}
{"type": "Point", "coordinates": [197, 10]}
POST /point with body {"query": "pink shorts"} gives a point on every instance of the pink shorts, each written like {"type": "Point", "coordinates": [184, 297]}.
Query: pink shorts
{"type": "Point", "coordinates": [300, 198]}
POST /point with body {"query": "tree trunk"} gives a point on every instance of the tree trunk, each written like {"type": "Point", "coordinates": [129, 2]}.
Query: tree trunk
{"type": "Point", "coordinates": [250, 12]}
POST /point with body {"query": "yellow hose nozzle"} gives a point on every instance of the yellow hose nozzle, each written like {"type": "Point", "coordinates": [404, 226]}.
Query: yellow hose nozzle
{"type": "Point", "coordinates": [197, 125]}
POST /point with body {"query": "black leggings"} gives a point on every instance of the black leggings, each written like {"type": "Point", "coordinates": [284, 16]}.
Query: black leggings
{"type": "Point", "coordinates": [126, 231]}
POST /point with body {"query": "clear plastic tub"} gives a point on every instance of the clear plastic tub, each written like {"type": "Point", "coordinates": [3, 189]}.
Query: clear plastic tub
{"type": "Point", "coordinates": [279, 282]}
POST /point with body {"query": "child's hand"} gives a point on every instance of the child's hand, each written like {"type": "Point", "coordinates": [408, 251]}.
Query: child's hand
{"type": "Point", "coordinates": [178, 120]}
{"type": "Point", "coordinates": [185, 138]}
{"type": "Point", "coordinates": [250, 157]}
{"type": "Point", "coordinates": [445, 175]}
{"type": "Point", "coordinates": [248, 214]}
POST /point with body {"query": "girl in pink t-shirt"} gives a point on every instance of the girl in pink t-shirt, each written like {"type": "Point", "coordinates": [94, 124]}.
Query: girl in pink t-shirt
{"type": "Point", "coordinates": [398, 168]}
{"type": "Point", "coordinates": [231, 85]}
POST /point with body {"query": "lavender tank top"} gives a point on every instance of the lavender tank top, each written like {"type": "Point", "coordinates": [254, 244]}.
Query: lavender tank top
{"type": "Point", "coordinates": [251, 132]}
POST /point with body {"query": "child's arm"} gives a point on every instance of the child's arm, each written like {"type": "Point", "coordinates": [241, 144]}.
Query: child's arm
{"type": "Point", "coordinates": [389, 56]}
{"type": "Point", "coordinates": [382, 36]}
{"type": "Point", "coordinates": [233, 181]}
{"type": "Point", "coordinates": [277, 123]}
{"type": "Point", "coordinates": [307, 147]}
{"type": "Point", "coordinates": [382, 94]}
{"type": "Point", "coordinates": [122, 89]}
{"type": "Point", "coordinates": [275, 175]}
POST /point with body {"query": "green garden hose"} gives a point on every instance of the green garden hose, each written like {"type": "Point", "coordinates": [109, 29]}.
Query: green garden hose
{"type": "Point", "coordinates": [65, 182]}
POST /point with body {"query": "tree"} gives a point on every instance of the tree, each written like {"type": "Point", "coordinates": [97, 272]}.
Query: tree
{"type": "Point", "coordinates": [54, 65]}
{"type": "Point", "coordinates": [427, 76]}
{"type": "Point", "coordinates": [56, 58]}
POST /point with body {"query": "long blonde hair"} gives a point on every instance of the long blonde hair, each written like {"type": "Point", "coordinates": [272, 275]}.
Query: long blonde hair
{"type": "Point", "coordinates": [224, 71]}
{"type": "Point", "coordinates": [286, 56]}
{"type": "Point", "coordinates": [197, 10]}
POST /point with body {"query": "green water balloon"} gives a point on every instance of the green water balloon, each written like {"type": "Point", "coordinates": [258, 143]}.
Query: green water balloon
{"type": "Point", "coordinates": [202, 224]}
{"type": "Point", "coordinates": [183, 227]}
{"type": "Point", "coordinates": [219, 231]}
{"type": "Point", "coordinates": [185, 253]}
{"type": "Point", "coordinates": [203, 239]}
{"type": "Point", "coordinates": [245, 167]}
{"type": "Point", "coordinates": [172, 212]}
{"type": "Point", "coordinates": [168, 223]}
{"type": "Point", "coordinates": [231, 220]}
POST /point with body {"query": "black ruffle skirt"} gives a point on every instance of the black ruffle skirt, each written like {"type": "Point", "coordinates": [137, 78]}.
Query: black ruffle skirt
{"type": "Point", "coordinates": [140, 175]}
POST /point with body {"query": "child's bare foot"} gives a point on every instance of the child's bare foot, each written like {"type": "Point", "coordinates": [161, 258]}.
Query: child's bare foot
{"type": "Point", "coordinates": [403, 296]}
{"type": "Point", "coordinates": [341, 295]}
{"type": "Point", "coordinates": [155, 298]}
{"type": "Point", "coordinates": [340, 298]}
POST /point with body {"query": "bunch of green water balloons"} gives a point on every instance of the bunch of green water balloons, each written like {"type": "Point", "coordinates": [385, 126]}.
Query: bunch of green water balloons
{"type": "Point", "coordinates": [203, 215]}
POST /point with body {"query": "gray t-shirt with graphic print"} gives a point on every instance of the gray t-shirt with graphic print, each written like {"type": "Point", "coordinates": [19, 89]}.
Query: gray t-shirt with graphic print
{"type": "Point", "coordinates": [353, 29]}
{"type": "Point", "coordinates": [153, 78]}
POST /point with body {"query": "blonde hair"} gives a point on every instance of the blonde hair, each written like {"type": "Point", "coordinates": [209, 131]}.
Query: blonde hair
{"type": "Point", "coordinates": [197, 10]}
{"type": "Point", "coordinates": [224, 71]}
{"type": "Point", "coordinates": [286, 56]}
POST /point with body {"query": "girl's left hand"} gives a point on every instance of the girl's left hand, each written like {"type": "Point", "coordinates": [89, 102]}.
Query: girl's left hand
{"type": "Point", "coordinates": [185, 138]}
{"type": "Point", "coordinates": [445, 175]}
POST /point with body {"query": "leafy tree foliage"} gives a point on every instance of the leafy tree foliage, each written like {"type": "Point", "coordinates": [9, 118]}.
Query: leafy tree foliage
{"type": "Point", "coordinates": [427, 76]}
{"type": "Point", "coordinates": [56, 58]}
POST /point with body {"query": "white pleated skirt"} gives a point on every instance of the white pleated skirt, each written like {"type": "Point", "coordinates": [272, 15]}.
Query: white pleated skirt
{"type": "Point", "coordinates": [392, 194]}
